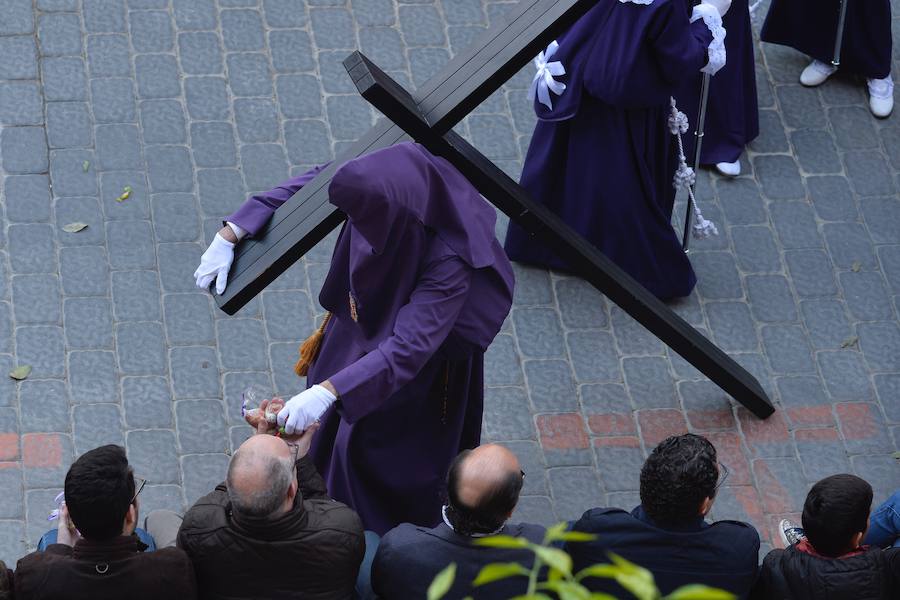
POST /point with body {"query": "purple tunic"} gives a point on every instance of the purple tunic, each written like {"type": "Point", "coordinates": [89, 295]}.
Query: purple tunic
{"type": "Point", "coordinates": [418, 288]}
{"type": "Point", "coordinates": [732, 114]}
{"type": "Point", "coordinates": [810, 26]}
{"type": "Point", "coordinates": [603, 158]}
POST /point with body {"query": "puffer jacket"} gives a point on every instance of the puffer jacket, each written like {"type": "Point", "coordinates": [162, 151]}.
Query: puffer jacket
{"type": "Point", "coordinates": [791, 574]}
{"type": "Point", "coordinates": [312, 552]}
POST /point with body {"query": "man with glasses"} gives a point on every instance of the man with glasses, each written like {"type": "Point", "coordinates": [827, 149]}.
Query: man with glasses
{"type": "Point", "coordinates": [668, 532]}
{"type": "Point", "coordinates": [97, 552]}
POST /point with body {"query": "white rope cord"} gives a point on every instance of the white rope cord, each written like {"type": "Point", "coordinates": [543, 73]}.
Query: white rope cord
{"type": "Point", "coordinates": [685, 177]}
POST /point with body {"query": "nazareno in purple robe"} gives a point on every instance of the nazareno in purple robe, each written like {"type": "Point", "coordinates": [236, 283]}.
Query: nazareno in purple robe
{"type": "Point", "coordinates": [603, 158]}
{"type": "Point", "coordinates": [732, 112]}
{"type": "Point", "coordinates": [810, 26]}
{"type": "Point", "coordinates": [418, 288]}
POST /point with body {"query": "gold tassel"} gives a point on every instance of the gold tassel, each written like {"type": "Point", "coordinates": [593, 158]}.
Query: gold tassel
{"type": "Point", "coordinates": [309, 349]}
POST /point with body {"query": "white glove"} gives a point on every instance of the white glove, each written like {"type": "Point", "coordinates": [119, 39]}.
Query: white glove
{"type": "Point", "coordinates": [720, 5]}
{"type": "Point", "coordinates": [304, 409]}
{"type": "Point", "coordinates": [215, 264]}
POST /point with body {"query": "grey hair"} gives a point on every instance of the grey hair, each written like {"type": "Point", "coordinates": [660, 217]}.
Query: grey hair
{"type": "Point", "coordinates": [263, 502]}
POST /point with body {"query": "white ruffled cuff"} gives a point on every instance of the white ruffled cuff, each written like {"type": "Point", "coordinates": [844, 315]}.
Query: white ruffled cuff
{"type": "Point", "coordinates": [713, 21]}
{"type": "Point", "coordinates": [239, 232]}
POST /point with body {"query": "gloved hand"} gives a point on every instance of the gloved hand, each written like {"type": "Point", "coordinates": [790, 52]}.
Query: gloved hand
{"type": "Point", "coordinates": [304, 409]}
{"type": "Point", "coordinates": [720, 5]}
{"type": "Point", "coordinates": [215, 264]}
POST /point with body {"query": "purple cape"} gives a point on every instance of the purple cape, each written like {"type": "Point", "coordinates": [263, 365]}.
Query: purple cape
{"type": "Point", "coordinates": [810, 26]}
{"type": "Point", "coordinates": [603, 158]}
{"type": "Point", "coordinates": [732, 115]}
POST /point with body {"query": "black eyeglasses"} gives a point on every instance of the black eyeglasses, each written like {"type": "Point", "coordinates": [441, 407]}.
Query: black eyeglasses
{"type": "Point", "coordinates": [138, 487]}
{"type": "Point", "coordinates": [723, 475]}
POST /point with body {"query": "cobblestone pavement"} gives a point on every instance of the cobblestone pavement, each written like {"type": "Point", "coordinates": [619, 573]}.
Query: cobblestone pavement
{"type": "Point", "coordinates": [195, 103]}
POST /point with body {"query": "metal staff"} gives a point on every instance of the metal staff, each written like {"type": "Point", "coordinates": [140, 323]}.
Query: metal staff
{"type": "Point", "coordinates": [839, 38]}
{"type": "Point", "coordinates": [698, 145]}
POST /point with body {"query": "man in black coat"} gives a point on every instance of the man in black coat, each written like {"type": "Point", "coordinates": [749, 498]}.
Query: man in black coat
{"type": "Point", "coordinates": [668, 533]}
{"type": "Point", "coordinates": [271, 531]}
{"type": "Point", "coordinates": [483, 488]}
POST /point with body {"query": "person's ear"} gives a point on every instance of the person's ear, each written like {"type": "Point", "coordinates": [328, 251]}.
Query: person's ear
{"type": "Point", "coordinates": [857, 540]}
{"type": "Point", "coordinates": [706, 506]}
{"type": "Point", "coordinates": [131, 517]}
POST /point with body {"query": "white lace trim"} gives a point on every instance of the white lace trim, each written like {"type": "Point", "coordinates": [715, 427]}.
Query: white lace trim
{"type": "Point", "coordinates": [644, 2]}
{"type": "Point", "coordinates": [685, 177]}
{"type": "Point", "coordinates": [713, 21]}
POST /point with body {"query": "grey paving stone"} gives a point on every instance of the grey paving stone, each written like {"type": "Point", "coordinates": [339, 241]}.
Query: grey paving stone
{"type": "Point", "coordinates": [832, 199]}
{"type": "Point", "coordinates": [333, 75]}
{"type": "Point", "coordinates": [24, 150]}
{"type": "Point", "coordinates": [880, 344]}
{"type": "Point", "coordinates": [194, 14]}
{"type": "Point", "coordinates": [882, 216]}
{"type": "Point", "coordinates": [20, 103]}
{"type": "Point", "coordinates": [348, 116]}
{"type": "Point", "coordinates": [235, 385]}
{"type": "Point", "coordinates": [881, 470]}
{"type": "Point", "coordinates": [795, 224]}
{"type": "Point", "coordinates": [157, 76]}
{"type": "Point", "coordinates": [175, 217]}
{"type": "Point", "coordinates": [866, 296]}
{"type": "Point", "coordinates": [625, 453]}
{"type": "Point", "coordinates": [202, 473]}
{"type": "Point", "coordinates": [68, 175]}
{"type": "Point", "coordinates": [147, 402]}
{"type": "Point", "coordinates": [88, 322]}
{"type": "Point", "coordinates": [649, 382]}
{"type": "Point", "coordinates": [848, 244]}
{"type": "Point", "coordinates": [20, 58]}
{"type": "Point", "coordinates": [84, 271]}
{"type": "Point", "coordinates": [811, 272]}
{"type": "Point", "coordinates": [508, 415]}
{"type": "Point", "coordinates": [162, 497]}
{"type": "Point", "coordinates": [826, 321]}
{"type": "Point", "coordinates": [421, 26]}
{"type": "Point", "coordinates": [39, 504]}
{"type": "Point", "coordinates": [888, 387]}
{"type": "Point", "coordinates": [332, 28]}
{"type": "Point", "coordinates": [153, 455]}
{"type": "Point", "coordinates": [631, 336]}
{"type": "Point", "coordinates": [815, 151]}
{"type": "Point", "coordinates": [93, 377]}
{"type": "Point", "coordinates": [501, 362]}
{"type": "Point", "coordinates": [212, 144]}
{"type": "Point", "coordinates": [151, 31]}
{"type": "Point", "coordinates": [862, 427]}
{"type": "Point", "coordinates": [200, 53]}
{"type": "Point", "coordinates": [13, 494]}
{"type": "Point", "coordinates": [195, 372]}
{"type": "Point", "coordinates": [853, 127]}
{"type": "Point", "coordinates": [118, 147]}
{"type": "Point", "coordinates": [162, 122]}
{"type": "Point", "coordinates": [740, 201]}
{"type": "Point", "coordinates": [238, 435]}
{"type": "Point", "coordinates": [7, 384]}
{"type": "Point", "coordinates": [580, 304]}
{"type": "Point", "coordinates": [594, 356]}
{"type": "Point", "coordinates": [256, 119]}
{"type": "Point", "coordinates": [285, 13]}
{"type": "Point", "coordinates": [890, 265]}
{"type": "Point", "coordinates": [845, 375]}
{"type": "Point", "coordinates": [292, 51]}
{"type": "Point", "coordinates": [299, 96]}
{"type": "Point", "coordinates": [221, 191]}
{"type": "Point", "coordinates": [842, 91]}
{"type": "Point", "coordinates": [63, 78]}
{"type": "Point", "coordinates": [787, 349]}
{"type": "Point", "coordinates": [141, 348]}
{"type": "Point", "coordinates": [169, 169]}
{"type": "Point", "coordinates": [283, 356]}
{"type": "Point", "coordinates": [130, 245]}
{"type": "Point", "coordinates": [869, 173]}
{"type": "Point", "coordinates": [307, 141]}
{"type": "Point", "coordinates": [383, 46]}
{"type": "Point", "coordinates": [112, 100]}
{"type": "Point", "coordinates": [104, 16]}
{"type": "Point", "coordinates": [755, 249]}
{"type": "Point", "coordinates": [207, 98]}
{"type": "Point", "coordinates": [36, 299]}
{"type": "Point", "coordinates": [51, 460]}
{"type": "Point", "coordinates": [771, 137]}
{"type": "Point", "coordinates": [264, 165]}
{"type": "Point", "coordinates": [201, 426]}
{"type": "Point", "coordinates": [59, 34]}
{"type": "Point", "coordinates": [242, 344]}
{"type": "Point", "coordinates": [717, 275]}
{"type": "Point", "coordinates": [31, 248]}
{"type": "Point", "coordinates": [242, 30]}
{"type": "Point", "coordinates": [17, 18]}
{"type": "Point", "coordinates": [136, 295]}
{"type": "Point", "coordinates": [426, 62]}
{"type": "Point", "coordinates": [533, 286]}
{"type": "Point", "coordinates": [551, 386]}
{"type": "Point", "coordinates": [95, 425]}
{"type": "Point", "coordinates": [68, 125]}
{"type": "Point", "coordinates": [732, 326]}
{"type": "Point", "coordinates": [779, 176]}
{"type": "Point", "coordinates": [6, 330]}
{"type": "Point", "coordinates": [248, 74]}
{"type": "Point", "coordinates": [539, 332]}
{"type": "Point", "coordinates": [770, 298]}
{"type": "Point", "coordinates": [800, 107]}
{"type": "Point", "coordinates": [575, 490]}
{"type": "Point", "coordinates": [288, 315]}
{"type": "Point", "coordinates": [108, 56]}
{"type": "Point", "coordinates": [27, 198]}
{"type": "Point", "coordinates": [177, 263]}
{"type": "Point", "coordinates": [43, 406]}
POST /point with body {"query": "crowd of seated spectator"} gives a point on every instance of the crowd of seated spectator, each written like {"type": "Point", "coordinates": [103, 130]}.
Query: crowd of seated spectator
{"type": "Point", "coordinates": [271, 531]}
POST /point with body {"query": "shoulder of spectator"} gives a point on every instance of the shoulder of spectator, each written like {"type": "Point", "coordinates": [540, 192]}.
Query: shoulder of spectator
{"type": "Point", "coordinates": [530, 531]}
{"type": "Point", "coordinates": [744, 531]}
{"type": "Point", "coordinates": [593, 518]}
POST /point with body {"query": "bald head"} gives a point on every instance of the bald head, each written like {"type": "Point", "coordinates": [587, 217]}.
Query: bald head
{"type": "Point", "coordinates": [260, 477]}
{"type": "Point", "coordinates": [483, 486]}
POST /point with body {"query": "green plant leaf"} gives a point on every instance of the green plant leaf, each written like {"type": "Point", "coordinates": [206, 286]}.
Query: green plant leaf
{"type": "Point", "coordinates": [856, 266]}
{"type": "Point", "coordinates": [602, 596]}
{"type": "Point", "coordinates": [635, 579]}
{"type": "Point", "coordinates": [534, 596]}
{"type": "Point", "coordinates": [85, 166]}
{"type": "Point", "coordinates": [126, 193]}
{"type": "Point", "coordinates": [567, 590]}
{"type": "Point", "coordinates": [896, 455]}
{"type": "Point", "coordinates": [850, 341]}
{"type": "Point", "coordinates": [501, 541]}
{"type": "Point", "coordinates": [442, 582]}
{"type": "Point", "coordinates": [21, 372]}
{"type": "Point", "coordinates": [74, 227]}
{"type": "Point", "coordinates": [606, 571]}
{"type": "Point", "coordinates": [699, 592]}
{"type": "Point", "coordinates": [497, 571]}
{"type": "Point", "coordinates": [576, 536]}
{"type": "Point", "coordinates": [555, 557]}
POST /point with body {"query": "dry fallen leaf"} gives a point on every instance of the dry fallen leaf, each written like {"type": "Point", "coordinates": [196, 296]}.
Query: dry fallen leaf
{"type": "Point", "coordinates": [85, 166]}
{"type": "Point", "coordinates": [896, 455]}
{"type": "Point", "coordinates": [20, 373]}
{"type": "Point", "coordinates": [126, 192]}
{"type": "Point", "coordinates": [856, 266]}
{"type": "Point", "coordinates": [850, 341]}
{"type": "Point", "coordinates": [75, 227]}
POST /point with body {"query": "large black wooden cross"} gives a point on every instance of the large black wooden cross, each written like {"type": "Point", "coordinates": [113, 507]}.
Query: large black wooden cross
{"type": "Point", "coordinates": [427, 117]}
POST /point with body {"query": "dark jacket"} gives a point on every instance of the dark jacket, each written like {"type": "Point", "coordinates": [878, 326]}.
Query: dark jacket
{"type": "Point", "coordinates": [409, 557]}
{"type": "Point", "coordinates": [723, 554]}
{"type": "Point", "coordinates": [311, 552]}
{"type": "Point", "coordinates": [794, 575]}
{"type": "Point", "coordinates": [112, 570]}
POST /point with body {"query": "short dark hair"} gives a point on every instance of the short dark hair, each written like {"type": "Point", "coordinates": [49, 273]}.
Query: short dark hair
{"type": "Point", "coordinates": [493, 508]}
{"type": "Point", "coordinates": [680, 473]}
{"type": "Point", "coordinates": [836, 509]}
{"type": "Point", "coordinates": [99, 489]}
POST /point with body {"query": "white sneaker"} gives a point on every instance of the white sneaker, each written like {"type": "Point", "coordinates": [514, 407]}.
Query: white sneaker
{"type": "Point", "coordinates": [790, 533]}
{"type": "Point", "coordinates": [881, 96]}
{"type": "Point", "coordinates": [729, 169]}
{"type": "Point", "coordinates": [816, 73]}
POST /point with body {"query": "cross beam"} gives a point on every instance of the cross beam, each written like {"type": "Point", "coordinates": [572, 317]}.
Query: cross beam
{"type": "Point", "coordinates": [428, 118]}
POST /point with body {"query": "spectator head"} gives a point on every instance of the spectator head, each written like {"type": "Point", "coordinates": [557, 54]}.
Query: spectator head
{"type": "Point", "coordinates": [483, 488]}
{"type": "Point", "coordinates": [101, 495]}
{"type": "Point", "coordinates": [678, 480]}
{"type": "Point", "coordinates": [262, 479]}
{"type": "Point", "coordinates": [836, 514]}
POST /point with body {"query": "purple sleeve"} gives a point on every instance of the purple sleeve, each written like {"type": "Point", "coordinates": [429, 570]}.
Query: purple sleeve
{"type": "Point", "coordinates": [257, 210]}
{"type": "Point", "coordinates": [420, 329]}
{"type": "Point", "coordinates": [679, 46]}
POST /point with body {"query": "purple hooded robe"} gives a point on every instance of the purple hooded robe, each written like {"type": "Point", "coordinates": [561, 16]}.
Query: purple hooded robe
{"type": "Point", "coordinates": [418, 288]}
{"type": "Point", "coordinates": [732, 113]}
{"type": "Point", "coordinates": [603, 158]}
{"type": "Point", "coordinates": [810, 26]}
